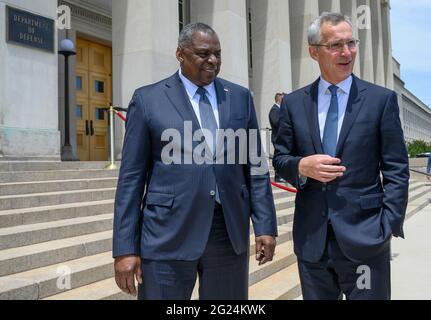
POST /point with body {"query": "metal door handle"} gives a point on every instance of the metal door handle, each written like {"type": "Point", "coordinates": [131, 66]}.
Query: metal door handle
{"type": "Point", "coordinates": [87, 129]}
{"type": "Point", "coordinates": [91, 128]}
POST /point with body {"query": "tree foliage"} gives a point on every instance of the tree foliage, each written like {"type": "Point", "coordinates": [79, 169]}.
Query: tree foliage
{"type": "Point", "coordinates": [418, 146]}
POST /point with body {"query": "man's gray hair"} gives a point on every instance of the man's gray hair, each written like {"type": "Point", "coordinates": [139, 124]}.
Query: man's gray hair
{"type": "Point", "coordinates": [332, 17]}
{"type": "Point", "coordinates": [186, 35]}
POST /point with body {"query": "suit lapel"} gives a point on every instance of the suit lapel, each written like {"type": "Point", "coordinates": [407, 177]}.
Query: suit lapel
{"type": "Point", "coordinates": [310, 106]}
{"type": "Point", "coordinates": [223, 101]}
{"type": "Point", "coordinates": [354, 104]}
{"type": "Point", "coordinates": [178, 97]}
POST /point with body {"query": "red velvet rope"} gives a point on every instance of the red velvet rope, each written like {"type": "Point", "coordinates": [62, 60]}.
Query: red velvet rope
{"type": "Point", "coordinates": [120, 115]}
{"type": "Point", "coordinates": [293, 190]}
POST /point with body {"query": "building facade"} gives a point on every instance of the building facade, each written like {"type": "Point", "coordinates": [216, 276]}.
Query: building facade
{"type": "Point", "coordinates": [122, 45]}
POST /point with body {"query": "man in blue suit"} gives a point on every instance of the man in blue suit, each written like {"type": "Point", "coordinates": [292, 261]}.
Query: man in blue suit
{"type": "Point", "coordinates": [176, 220]}
{"type": "Point", "coordinates": [341, 144]}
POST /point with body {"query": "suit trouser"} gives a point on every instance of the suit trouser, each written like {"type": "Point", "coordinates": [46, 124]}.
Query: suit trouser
{"type": "Point", "coordinates": [223, 275]}
{"type": "Point", "coordinates": [335, 275]}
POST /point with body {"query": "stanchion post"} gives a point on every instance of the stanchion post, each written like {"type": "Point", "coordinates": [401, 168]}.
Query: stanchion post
{"type": "Point", "coordinates": [112, 165]}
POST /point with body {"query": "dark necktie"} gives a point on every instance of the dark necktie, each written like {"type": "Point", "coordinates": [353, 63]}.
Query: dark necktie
{"type": "Point", "coordinates": [330, 133]}
{"type": "Point", "coordinates": [208, 120]}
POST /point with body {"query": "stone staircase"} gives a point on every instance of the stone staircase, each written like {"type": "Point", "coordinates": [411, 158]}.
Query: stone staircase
{"type": "Point", "coordinates": [56, 218]}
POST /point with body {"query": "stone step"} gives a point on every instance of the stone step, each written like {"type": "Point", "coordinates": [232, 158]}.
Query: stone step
{"type": "Point", "coordinates": [419, 192]}
{"type": "Point", "coordinates": [102, 290]}
{"type": "Point", "coordinates": [283, 258]}
{"type": "Point", "coordinates": [284, 203]}
{"type": "Point", "coordinates": [283, 285]}
{"type": "Point", "coordinates": [9, 166]}
{"type": "Point", "coordinates": [15, 258]}
{"type": "Point", "coordinates": [414, 185]}
{"type": "Point", "coordinates": [280, 194]}
{"type": "Point", "coordinates": [43, 282]}
{"type": "Point", "coordinates": [39, 255]}
{"type": "Point", "coordinates": [107, 288]}
{"type": "Point", "coordinates": [37, 233]}
{"type": "Point", "coordinates": [11, 202]}
{"type": "Point", "coordinates": [285, 216]}
{"type": "Point", "coordinates": [54, 198]}
{"type": "Point", "coordinates": [418, 204]}
{"type": "Point", "coordinates": [18, 188]}
{"type": "Point", "coordinates": [24, 176]}
{"type": "Point", "coordinates": [25, 216]}
{"type": "Point", "coordinates": [19, 259]}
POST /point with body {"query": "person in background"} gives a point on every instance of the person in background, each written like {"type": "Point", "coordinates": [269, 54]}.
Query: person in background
{"type": "Point", "coordinates": [274, 117]}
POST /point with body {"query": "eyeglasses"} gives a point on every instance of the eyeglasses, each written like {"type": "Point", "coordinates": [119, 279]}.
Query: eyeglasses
{"type": "Point", "coordinates": [338, 46]}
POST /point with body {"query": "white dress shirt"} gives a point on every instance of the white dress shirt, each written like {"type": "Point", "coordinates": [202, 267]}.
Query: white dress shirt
{"type": "Point", "coordinates": [324, 96]}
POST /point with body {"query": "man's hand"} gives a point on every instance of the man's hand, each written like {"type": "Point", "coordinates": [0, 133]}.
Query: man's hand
{"type": "Point", "coordinates": [126, 268]}
{"type": "Point", "coordinates": [265, 246]}
{"type": "Point", "coordinates": [429, 178]}
{"type": "Point", "coordinates": [321, 167]}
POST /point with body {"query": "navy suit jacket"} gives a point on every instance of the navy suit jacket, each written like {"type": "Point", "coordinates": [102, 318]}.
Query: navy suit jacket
{"type": "Point", "coordinates": [368, 204]}
{"type": "Point", "coordinates": [164, 211]}
{"type": "Point", "coordinates": [274, 118]}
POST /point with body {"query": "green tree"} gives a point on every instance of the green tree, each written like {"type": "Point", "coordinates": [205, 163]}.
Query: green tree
{"type": "Point", "coordinates": [418, 146]}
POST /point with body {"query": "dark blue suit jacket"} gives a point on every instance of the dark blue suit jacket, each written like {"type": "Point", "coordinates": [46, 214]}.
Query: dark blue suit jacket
{"type": "Point", "coordinates": [368, 204]}
{"type": "Point", "coordinates": [164, 212]}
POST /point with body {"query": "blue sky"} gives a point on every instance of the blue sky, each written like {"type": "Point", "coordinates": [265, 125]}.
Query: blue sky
{"type": "Point", "coordinates": [411, 44]}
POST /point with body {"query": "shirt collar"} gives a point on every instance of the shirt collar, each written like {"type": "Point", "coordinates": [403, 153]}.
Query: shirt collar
{"type": "Point", "coordinates": [191, 88]}
{"type": "Point", "coordinates": [344, 85]}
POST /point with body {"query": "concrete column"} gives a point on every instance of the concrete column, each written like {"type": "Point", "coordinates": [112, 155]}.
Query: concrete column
{"type": "Point", "coordinates": [329, 6]}
{"type": "Point", "coordinates": [349, 8]}
{"type": "Point", "coordinates": [271, 53]}
{"type": "Point", "coordinates": [376, 25]}
{"type": "Point", "coordinates": [387, 44]}
{"type": "Point", "coordinates": [304, 69]}
{"type": "Point", "coordinates": [365, 36]}
{"type": "Point", "coordinates": [229, 19]}
{"type": "Point", "coordinates": [28, 92]}
{"type": "Point", "coordinates": [144, 39]}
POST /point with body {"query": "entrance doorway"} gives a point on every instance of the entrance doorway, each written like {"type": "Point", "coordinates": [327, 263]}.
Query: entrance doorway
{"type": "Point", "coordinates": [93, 93]}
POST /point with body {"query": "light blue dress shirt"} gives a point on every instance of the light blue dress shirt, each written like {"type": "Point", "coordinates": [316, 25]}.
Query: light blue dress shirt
{"type": "Point", "coordinates": [191, 89]}
{"type": "Point", "coordinates": [324, 101]}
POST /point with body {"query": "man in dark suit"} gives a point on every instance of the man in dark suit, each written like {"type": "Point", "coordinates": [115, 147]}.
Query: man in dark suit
{"type": "Point", "coordinates": [341, 144]}
{"type": "Point", "coordinates": [176, 220]}
{"type": "Point", "coordinates": [274, 117]}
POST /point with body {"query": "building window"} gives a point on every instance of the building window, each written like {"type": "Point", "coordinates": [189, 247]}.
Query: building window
{"type": "Point", "coordinates": [184, 13]}
{"type": "Point", "coordinates": [99, 86]}
{"type": "Point", "coordinates": [78, 83]}
{"type": "Point", "coordinates": [100, 114]}
{"type": "Point", "coordinates": [78, 111]}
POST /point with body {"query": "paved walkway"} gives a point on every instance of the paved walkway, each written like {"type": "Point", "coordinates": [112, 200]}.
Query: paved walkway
{"type": "Point", "coordinates": [411, 264]}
